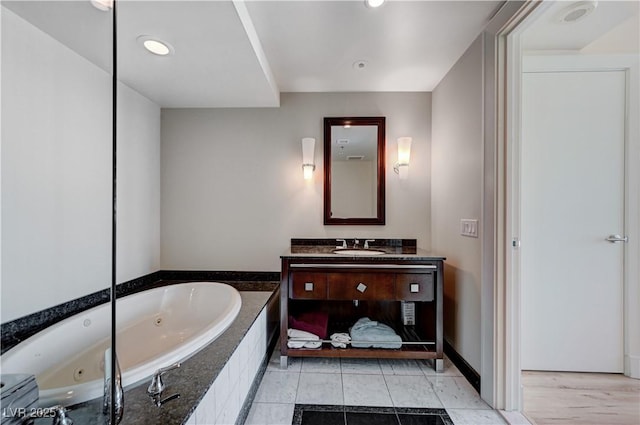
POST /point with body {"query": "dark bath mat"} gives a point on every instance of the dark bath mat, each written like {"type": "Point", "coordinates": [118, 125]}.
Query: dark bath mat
{"type": "Point", "coordinates": [314, 414]}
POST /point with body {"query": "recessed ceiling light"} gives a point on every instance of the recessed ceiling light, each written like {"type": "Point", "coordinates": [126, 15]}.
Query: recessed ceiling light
{"type": "Point", "coordinates": [373, 3]}
{"type": "Point", "coordinates": [576, 12]}
{"type": "Point", "coordinates": [360, 65]}
{"type": "Point", "coordinates": [155, 46]}
{"type": "Point", "coordinates": [104, 5]}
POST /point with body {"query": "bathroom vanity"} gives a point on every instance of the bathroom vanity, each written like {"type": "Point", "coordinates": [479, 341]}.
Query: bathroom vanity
{"type": "Point", "coordinates": [317, 275]}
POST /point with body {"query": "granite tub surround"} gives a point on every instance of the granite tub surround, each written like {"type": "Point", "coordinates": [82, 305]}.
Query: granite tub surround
{"type": "Point", "coordinates": [18, 330]}
{"type": "Point", "coordinates": [229, 364]}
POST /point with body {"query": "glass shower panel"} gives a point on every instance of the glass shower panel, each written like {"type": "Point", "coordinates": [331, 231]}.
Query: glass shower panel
{"type": "Point", "coordinates": [56, 222]}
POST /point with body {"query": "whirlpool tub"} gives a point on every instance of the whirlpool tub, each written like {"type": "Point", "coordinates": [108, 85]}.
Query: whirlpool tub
{"type": "Point", "coordinates": [155, 328]}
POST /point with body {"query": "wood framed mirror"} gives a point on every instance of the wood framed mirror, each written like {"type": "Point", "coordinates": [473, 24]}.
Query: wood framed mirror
{"type": "Point", "coordinates": [354, 170]}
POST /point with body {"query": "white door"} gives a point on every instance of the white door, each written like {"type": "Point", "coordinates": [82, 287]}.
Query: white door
{"type": "Point", "coordinates": [572, 194]}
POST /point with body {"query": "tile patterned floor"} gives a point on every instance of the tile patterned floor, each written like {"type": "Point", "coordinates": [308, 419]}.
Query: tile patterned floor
{"type": "Point", "coordinates": [393, 384]}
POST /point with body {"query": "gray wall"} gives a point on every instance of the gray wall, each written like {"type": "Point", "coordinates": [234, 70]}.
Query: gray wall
{"type": "Point", "coordinates": [232, 188]}
{"type": "Point", "coordinates": [456, 193]}
{"type": "Point", "coordinates": [138, 227]}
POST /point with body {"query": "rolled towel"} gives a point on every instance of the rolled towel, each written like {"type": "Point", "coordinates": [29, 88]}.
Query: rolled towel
{"type": "Point", "coordinates": [340, 340]}
{"type": "Point", "coordinates": [295, 343]}
{"type": "Point", "coordinates": [302, 339]}
{"type": "Point", "coordinates": [298, 334]}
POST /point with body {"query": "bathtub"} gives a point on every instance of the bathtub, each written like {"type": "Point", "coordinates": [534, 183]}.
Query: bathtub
{"type": "Point", "coordinates": [154, 329]}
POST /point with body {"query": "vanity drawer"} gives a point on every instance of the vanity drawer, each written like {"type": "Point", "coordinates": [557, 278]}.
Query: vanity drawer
{"type": "Point", "coordinates": [308, 285]}
{"type": "Point", "coordinates": [414, 287]}
{"type": "Point", "coordinates": [360, 286]}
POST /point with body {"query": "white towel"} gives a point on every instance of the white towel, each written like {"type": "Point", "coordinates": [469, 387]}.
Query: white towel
{"type": "Point", "coordinates": [340, 340]}
{"type": "Point", "coordinates": [302, 339]}
{"type": "Point", "coordinates": [298, 334]}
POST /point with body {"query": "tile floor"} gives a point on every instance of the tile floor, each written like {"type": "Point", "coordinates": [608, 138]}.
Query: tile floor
{"type": "Point", "coordinates": [366, 382]}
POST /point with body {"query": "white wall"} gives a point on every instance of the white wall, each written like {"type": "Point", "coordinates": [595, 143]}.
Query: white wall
{"type": "Point", "coordinates": [138, 196]}
{"type": "Point", "coordinates": [56, 179]}
{"type": "Point", "coordinates": [456, 193]}
{"type": "Point", "coordinates": [56, 175]}
{"type": "Point", "coordinates": [232, 189]}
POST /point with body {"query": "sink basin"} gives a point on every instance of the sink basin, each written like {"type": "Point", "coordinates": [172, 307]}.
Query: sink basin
{"type": "Point", "coordinates": [358, 252]}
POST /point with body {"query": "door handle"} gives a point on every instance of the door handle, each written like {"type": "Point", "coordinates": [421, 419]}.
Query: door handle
{"type": "Point", "coordinates": [617, 238]}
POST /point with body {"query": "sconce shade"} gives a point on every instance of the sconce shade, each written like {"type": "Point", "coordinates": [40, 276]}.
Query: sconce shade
{"type": "Point", "coordinates": [404, 155]}
{"type": "Point", "coordinates": [308, 164]}
{"type": "Point", "coordinates": [404, 150]}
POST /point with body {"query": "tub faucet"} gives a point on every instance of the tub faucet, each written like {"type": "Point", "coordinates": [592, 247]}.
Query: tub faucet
{"type": "Point", "coordinates": [118, 402]}
{"type": "Point", "coordinates": [157, 386]}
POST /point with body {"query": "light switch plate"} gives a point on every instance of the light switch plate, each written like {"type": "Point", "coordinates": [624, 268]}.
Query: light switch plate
{"type": "Point", "coordinates": [308, 286]}
{"type": "Point", "coordinates": [469, 227]}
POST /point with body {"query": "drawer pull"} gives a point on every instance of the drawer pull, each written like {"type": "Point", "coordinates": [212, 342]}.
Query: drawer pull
{"type": "Point", "coordinates": [415, 287]}
{"type": "Point", "coordinates": [361, 287]}
{"type": "Point", "coordinates": [308, 286]}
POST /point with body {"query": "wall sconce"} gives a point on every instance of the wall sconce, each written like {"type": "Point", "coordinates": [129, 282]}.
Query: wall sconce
{"type": "Point", "coordinates": [404, 153]}
{"type": "Point", "coordinates": [308, 165]}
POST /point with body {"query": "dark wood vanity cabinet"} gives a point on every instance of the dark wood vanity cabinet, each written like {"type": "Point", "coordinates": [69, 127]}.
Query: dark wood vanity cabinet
{"type": "Point", "coordinates": [350, 288]}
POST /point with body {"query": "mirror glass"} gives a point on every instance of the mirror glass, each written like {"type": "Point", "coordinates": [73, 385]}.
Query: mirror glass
{"type": "Point", "coordinates": [56, 154]}
{"type": "Point", "coordinates": [354, 170]}
{"type": "Point", "coordinates": [56, 169]}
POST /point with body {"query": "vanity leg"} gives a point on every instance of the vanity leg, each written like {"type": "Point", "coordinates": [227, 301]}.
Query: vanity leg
{"type": "Point", "coordinates": [439, 365]}
{"type": "Point", "coordinates": [283, 362]}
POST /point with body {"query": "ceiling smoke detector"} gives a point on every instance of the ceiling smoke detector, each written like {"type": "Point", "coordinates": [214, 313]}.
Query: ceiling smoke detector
{"type": "Point", "coordinates": [360, 65]}
{"type": "Point", "coordinates": [576, 12]}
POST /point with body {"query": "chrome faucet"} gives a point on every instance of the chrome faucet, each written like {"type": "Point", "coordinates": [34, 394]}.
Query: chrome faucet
{"type": "Point", "coordinates": [344, 243]}
{"type": "Point", "coordinates": [118, 402]}
{"type": "Point", "coordinates": [157, 386]}
{"type": "Point", "coordinates": [366, 243]}
{"type": "Point", "coordinates": [356, 242]}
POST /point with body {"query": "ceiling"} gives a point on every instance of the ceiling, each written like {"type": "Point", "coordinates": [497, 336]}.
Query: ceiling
{"type": "Point", "coordinates": [359, 142]}
{"type": "Point", "coordinates": [243, 54]}
{"type": "Point", "coordinates": [547, 33]}
{"type": "Point", "coordinates": [235, 53]}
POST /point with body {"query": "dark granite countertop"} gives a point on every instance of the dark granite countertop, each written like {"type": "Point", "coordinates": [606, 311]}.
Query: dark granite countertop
{"type": "Point", "coordinates": [322, 249]}
{"type": "Point", "coordinates": [191, 381]}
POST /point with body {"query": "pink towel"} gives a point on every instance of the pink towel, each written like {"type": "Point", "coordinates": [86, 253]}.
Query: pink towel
{"type": "Point", "coordinates": [315, 322]}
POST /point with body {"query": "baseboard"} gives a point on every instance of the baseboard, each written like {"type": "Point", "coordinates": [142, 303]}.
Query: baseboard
{"type": "Point", "coordinates": [465, 368]}
{"type": "Point", "coordinates": [632, 366]}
